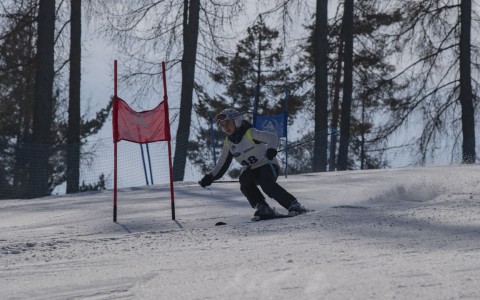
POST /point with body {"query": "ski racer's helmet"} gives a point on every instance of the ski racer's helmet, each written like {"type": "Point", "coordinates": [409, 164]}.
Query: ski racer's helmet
{"type": "Point", "coordinates": [230, 114]}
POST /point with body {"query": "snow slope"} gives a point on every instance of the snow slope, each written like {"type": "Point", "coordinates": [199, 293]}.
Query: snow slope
{"type": "Point", "coordinates": [379, 234]}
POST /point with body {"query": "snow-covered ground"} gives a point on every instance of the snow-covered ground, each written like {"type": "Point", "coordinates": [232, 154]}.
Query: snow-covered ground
{"type": "Point", "coordinates": [379, 234]}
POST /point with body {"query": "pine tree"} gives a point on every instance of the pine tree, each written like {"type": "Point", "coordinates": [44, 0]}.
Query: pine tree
{"type": "Point", "coordinates": [435, 37]}
{"type": "Point", "coordinates": [73, 132]}
{"type": "Point", "coordinates": [257, 68]}
{"type": "Point", "coordinates": [17, 81]}
{"type": "Point", "coordinates": [177, 31]}
{"type": "Point", "coordinates": [372, 83]}
{"type": "Point", "coordinates": [347, 36]}
{"type": "Point", "coordinates": [320, 58]}
{"type": "Point", "coordinates": [43, 99]}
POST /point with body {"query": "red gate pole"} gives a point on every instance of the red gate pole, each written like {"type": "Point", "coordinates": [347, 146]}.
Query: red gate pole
{"type": "Point", "coordinates": [167, 128]}
{"type": "Point", "coordinates": [115, 130]}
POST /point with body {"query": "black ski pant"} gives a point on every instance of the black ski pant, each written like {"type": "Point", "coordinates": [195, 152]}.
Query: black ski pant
{"type": "Point", "coordinates": [264, 177]}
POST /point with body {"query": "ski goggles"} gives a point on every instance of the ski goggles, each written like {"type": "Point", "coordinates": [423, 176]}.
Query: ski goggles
{"type": "Point", "coordinates": [220, 117]}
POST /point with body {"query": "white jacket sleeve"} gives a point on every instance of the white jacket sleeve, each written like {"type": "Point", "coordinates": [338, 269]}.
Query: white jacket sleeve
{"type": "Point", "coordinates": [266, 137]}
{"type": "Point", "coordinates": [224, 161]}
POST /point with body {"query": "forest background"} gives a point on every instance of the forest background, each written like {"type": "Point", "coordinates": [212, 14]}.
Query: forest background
{"type": "Point", "coordinates": [365, 80]}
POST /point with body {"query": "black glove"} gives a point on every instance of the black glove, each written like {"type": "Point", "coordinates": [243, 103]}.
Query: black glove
{"type": "Point", "coordinates": [271, 153]}
{"type": "Point", "coordinates": [206, 180]}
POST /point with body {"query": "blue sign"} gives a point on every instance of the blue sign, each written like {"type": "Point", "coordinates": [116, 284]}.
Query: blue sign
{"type": "Point", "coordinates": [276, 124]}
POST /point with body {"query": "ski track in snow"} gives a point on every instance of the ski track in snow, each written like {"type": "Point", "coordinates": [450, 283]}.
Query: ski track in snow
{"type": "Point", "coordinates": [380, 234]}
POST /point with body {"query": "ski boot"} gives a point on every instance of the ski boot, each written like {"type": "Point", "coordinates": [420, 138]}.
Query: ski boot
{"type": "Point", "coordinates": [296, 209]}
{"type": "Point", "coordinates": [263, 212]}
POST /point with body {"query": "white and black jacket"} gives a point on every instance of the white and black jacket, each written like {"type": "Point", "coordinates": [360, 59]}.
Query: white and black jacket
{"type": "Point", "coordinates": [248, 146]}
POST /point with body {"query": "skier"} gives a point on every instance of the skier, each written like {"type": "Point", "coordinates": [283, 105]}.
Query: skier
{"type": "Point", "coordinates": [255, 150]}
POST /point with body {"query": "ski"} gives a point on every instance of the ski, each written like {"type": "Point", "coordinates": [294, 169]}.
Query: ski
{"type": "Point", "coordinates": [277, 216]}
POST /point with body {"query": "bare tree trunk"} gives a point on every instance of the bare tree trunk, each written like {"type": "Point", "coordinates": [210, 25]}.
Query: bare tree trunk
{"type": "Point", "coordinates": [259, 74]}
{"type": "Point", "coordinates": [73, 135]}
{"type": "Point", "coordinates": [321, 88]}
{"type": "Point", "coordinates": [347, 86]}
{"type": "Point", "coordinates": [43, 102]}
{"type": "Point", "coordinates": [190, 37]}
{"type": "Point", "coordinates": [468, 122]}
{"type": "Point", "coordinates": [363, 139]}
{"type": "Point", "coordinates": [335, 107]}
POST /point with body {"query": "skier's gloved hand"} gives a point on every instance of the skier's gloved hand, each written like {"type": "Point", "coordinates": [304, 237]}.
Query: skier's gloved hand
{"type": "Point", "coordinates": [271, 153]}
{"type": "Point", "coordinates": [207, 180]}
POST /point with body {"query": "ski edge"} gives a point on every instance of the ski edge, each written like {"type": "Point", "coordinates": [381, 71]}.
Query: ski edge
{"type": "Point", "coordinates": [279, 216]}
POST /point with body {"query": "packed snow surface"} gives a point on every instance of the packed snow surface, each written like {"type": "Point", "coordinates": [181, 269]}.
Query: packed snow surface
{"type": "Point", "coordinates": [379, 234]}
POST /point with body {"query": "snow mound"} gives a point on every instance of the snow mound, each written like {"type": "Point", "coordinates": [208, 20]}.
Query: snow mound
{"type": "Point", "coordinates": [407, 193]}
